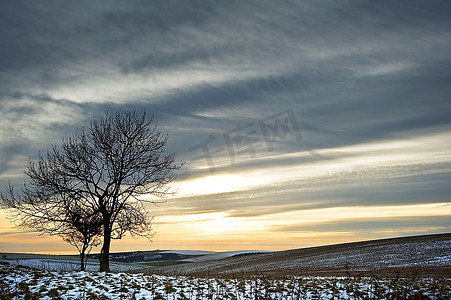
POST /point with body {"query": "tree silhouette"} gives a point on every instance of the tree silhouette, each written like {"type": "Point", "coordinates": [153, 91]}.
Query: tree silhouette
{"type": "Point", "coordinates": [83, 230]}
{"type": "Point", "coordinates": [76, 224]}
{"type": "Point", "coordinates": [99, 175]}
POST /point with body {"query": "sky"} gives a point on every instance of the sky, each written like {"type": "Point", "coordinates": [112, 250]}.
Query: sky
{"type": "Point", "coordinates": [300, 123]}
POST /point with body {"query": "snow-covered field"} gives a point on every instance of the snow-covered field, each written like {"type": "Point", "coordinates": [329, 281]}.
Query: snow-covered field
{"type": "Point", "coordinates": [17, 282]}
{"type": "Point", "coordinates": [411, 252]}
{"type": "Point", "coordinates": [66, 264]}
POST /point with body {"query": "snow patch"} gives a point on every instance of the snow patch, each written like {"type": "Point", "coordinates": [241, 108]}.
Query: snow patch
{"type": "Point", "coordinates": [187, 252]}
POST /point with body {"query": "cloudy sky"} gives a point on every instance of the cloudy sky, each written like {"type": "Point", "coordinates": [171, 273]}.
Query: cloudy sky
{"type": "Point", "coordinates": [300, 122]}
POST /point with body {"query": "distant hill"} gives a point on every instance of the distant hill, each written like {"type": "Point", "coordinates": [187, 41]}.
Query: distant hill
{"type": "Point", "coordinates": [427, 254]}
{"type": "Point", "coordinates": [170, 257]}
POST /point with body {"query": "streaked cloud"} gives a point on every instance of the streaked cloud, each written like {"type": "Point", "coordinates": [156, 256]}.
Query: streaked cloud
{"type": "Point", "coordinates": [367, 83]}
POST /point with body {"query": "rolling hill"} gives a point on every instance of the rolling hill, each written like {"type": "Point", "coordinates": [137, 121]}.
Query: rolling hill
{"type": "Point", "coordinates": [427, 255]}
{"type": "Point", "coordinates": [422, 255]}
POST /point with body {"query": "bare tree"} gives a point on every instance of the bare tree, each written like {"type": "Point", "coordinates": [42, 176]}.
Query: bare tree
{"type": "Point", "coordinates": [103, 170]}
{"type": "Point", "coordinates": [54, 214]}
{"type": "Point", "coordinates": [83, 231]}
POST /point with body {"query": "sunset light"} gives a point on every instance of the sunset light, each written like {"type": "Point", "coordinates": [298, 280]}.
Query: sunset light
{"type": "Point", "coordinates": [225, 149]}
{"type": "Point", "coordinates": [216, 184]}
{"type": "Point", "coordinates": [272, 125]}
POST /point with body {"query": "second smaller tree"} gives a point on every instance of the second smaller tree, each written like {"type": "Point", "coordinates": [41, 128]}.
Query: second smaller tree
{"type": "Point", "coordinates": [84, 231]}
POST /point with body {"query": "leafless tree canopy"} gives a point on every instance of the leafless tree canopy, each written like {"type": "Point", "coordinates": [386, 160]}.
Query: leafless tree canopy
{"type": "Point", "coordinates": [95, 179]}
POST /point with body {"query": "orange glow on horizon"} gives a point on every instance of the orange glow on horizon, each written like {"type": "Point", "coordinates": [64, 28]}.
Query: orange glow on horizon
{"type": "Point", "coordinates": [200, 218]}
{"type": "Point", "coordinates": [219, 231]}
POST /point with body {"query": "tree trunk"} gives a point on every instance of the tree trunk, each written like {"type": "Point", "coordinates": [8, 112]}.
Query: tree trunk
{"type": "Point", "coordinates": [83, 256]}
{"type": "Point", "coordinates": [105, 252]}
{"type": "Point", "coordinates": [82, 261]}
